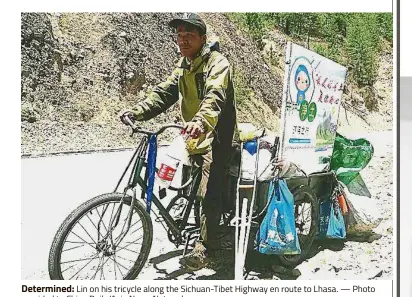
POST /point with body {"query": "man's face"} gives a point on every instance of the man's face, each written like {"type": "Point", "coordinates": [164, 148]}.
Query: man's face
{"type": "Point", "coordinates": [189, 41]}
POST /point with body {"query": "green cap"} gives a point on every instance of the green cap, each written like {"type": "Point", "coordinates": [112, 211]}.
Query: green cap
{"type": "Point", "coordinates": [189, 18]}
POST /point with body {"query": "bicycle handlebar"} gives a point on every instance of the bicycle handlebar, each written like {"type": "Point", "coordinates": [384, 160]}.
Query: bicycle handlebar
{"type": "Point", "coordinates": [137, 129]}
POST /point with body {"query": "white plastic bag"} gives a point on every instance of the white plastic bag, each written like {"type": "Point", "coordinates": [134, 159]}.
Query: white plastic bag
{"type": "Point", "coordinates": [247, 131]}
{"type": "Point", "coordinates": [248, 165]}
{"type": "Point", "coordinates": [265, 169]}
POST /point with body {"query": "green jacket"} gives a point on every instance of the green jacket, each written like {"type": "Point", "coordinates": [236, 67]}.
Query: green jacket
{"type": "Point", "coordinates": [206, 89]}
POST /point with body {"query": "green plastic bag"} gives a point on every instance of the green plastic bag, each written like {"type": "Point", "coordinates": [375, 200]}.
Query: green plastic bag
{"type": "Point", "coordinates": [349, 157]}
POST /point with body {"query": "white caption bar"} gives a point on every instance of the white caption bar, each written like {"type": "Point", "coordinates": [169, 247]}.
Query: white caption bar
{"type": "Point", "coordinates": [206, 288]}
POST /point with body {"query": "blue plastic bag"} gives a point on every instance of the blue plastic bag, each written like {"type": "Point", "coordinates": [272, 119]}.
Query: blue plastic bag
{"type": "Point", "coordinates": [277, 233]}
{"type": "Point", "coordinates": [251, 146]}
{"type": "Point", "coordinates": [331, 222]}
{"type": "Point", "coordinates": [324, 215]}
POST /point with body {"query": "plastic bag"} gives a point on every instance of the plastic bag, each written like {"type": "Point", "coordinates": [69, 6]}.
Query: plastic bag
{"type": "Point", "coordinates": [277, 233]}
{"type": "Point", "coordinates": [349, 157]}
{"type": "Point", "coordinates": [265, 168]}
{"type": "Point", "coordinates": [247, 131]}
{"type": "Point", "coordinates": [331, 222]}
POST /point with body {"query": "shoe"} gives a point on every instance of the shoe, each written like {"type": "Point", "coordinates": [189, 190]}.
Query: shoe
{"type": "Point", "coordinates": [197, 258]}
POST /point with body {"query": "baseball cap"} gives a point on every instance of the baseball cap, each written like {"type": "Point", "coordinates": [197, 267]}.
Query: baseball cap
{"type": "Point", "coordinates": [189, 18]}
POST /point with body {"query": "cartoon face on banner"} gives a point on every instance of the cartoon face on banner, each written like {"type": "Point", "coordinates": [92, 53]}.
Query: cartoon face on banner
{"type": "Point", "coordinates": [301, 82]}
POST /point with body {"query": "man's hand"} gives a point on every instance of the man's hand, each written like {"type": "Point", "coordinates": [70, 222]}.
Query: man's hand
{"type": "Point", "coordinates": [280, 163]}
{"type": "Point", "coordinates": [131, 114]}
{"type": "Point", "coordinates": [126, 113]}
{"type": "Point", "coordinates": [194, 129]}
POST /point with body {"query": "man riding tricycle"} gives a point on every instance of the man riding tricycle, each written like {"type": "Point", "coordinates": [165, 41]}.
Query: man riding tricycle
{"type": "Point", "coordinates": [216, 205]}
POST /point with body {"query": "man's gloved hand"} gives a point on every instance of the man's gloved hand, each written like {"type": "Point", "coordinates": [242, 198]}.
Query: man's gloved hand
{"type": "Point", "coordinates": [194, 129]}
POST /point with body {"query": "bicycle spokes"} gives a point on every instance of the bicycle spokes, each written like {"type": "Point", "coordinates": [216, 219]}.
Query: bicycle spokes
{"type": "Point", "coordinates": [103, 243]}
{"type": "Point", "coordinates": [114, 222]}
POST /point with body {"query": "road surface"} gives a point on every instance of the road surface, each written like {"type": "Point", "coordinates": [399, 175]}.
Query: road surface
{"type": "Point", "coordinates": [53, 186]}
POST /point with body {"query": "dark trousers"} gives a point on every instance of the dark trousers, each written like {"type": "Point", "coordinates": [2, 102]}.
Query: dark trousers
{"type": "Point", "coordinates": [211, 192]}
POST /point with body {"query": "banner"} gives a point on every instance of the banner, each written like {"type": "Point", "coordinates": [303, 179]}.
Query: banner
{"type": "Point", "coordinates": [313, 89]}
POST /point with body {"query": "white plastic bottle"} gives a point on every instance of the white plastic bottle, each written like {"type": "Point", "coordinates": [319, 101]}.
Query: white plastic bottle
{"type": "Point", "coordinates": [167, 170]}
{"type": "Point", "coordinates": [169, 163]}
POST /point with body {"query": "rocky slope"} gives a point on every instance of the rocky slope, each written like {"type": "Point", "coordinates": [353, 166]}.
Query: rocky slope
{"type": "Point", "coordinates": [79, 70]}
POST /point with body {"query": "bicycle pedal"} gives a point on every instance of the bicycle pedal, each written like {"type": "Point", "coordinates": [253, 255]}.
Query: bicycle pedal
{"type": "Point", "coordinates": [162, 193]}
{"type": "Point", "coordinates": [233, 221]}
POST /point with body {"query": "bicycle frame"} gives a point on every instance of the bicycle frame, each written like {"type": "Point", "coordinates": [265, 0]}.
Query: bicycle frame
{"type": "Point", "coordinates": [135, 179]}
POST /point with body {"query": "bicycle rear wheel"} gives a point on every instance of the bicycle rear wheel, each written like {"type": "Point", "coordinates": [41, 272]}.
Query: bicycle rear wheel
{"type": "Point", "coordinates": [83, 247]}
{"type": "Point", "coordinates": [306, 217]}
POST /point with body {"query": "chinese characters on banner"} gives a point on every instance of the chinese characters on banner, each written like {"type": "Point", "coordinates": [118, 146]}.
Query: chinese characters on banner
{"type": "Point", "coordinates": [313, 89]}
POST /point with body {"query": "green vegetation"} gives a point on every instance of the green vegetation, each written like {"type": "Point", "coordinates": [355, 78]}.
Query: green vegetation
{"type": "Point", "coordinates": [242, 89]}
{"type": "Point", "coordinates": [351, 39]}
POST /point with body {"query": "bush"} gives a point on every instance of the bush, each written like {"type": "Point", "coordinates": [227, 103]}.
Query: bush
{"type": "Point", "coordinates": [256, 24]}
{"type": "Point", "coordinates": [362, 46]}
{"type": "Point", "coordinates": [352, 39]}
{"type": "Point", "coordinates": [385, 25]}
{"type": "Point", "coordinates": [299, 24]}
{"type": "Point", "coordinates": [329, 51]}
{"type": "Point", "coordinates": [242, 90]}
{"type": "Point", "coordinates": [332, 27]}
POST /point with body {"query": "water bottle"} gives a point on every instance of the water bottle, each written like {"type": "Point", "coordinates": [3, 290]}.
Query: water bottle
{"type": "Point", "coordinates": [167, 170]}
{"type": "Point", "coordinates": [170, 162]}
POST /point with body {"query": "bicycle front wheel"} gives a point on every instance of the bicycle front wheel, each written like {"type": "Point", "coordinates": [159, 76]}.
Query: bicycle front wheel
{"type": "Point", "coordinates": [86, 247]}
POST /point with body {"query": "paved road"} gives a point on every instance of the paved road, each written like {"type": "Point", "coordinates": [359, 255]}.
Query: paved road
{"type": "Point", "coordinates": [53, 186]}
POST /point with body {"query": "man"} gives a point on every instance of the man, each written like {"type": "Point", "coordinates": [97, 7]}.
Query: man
{"type": "Point", "coordinates": [203, 78]}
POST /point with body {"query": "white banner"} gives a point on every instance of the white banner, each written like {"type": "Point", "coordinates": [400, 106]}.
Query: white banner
{"type": "Point", "coordinates": [313, 88]}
